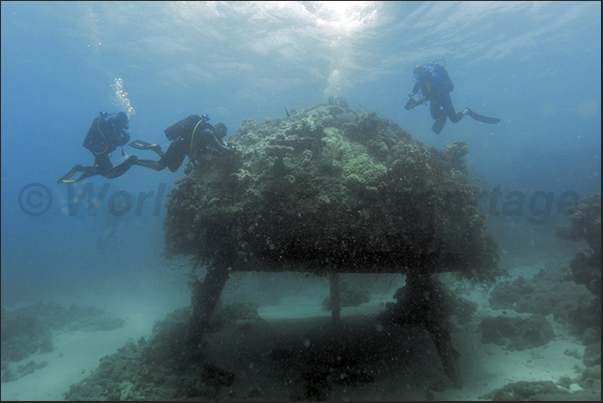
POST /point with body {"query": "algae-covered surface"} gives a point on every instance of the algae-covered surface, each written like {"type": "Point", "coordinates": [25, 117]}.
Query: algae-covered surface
{"type": "Point", "coordinates": [331, 189]}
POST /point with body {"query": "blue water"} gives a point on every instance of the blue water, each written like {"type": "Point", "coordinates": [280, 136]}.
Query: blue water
{"type": "Point", "coordinates": [537, 66]}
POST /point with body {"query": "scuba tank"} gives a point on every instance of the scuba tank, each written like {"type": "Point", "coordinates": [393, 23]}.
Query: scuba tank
{"type": "Point", "coordinates": [439, 66]}
{"type": "Point", "coordinates": [183, 127]}
{"type": "Point", "coordinates": [104, 140]}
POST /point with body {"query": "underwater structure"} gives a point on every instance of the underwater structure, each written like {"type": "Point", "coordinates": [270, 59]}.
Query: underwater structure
{"type": "Point", "coordinates": [331, 190]}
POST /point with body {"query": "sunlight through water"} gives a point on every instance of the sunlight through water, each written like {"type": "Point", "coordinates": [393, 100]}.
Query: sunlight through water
{"type": "Point", "coordinates": [342, 17]}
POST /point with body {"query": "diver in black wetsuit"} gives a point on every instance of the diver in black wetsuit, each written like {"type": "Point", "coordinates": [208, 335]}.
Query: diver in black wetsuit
{"type": "Point", "coordinates": [192, 137]}
{"type": "Point", "coordinates": [435, 85]}
{"type": "Point", "coordinates": [106, 133]}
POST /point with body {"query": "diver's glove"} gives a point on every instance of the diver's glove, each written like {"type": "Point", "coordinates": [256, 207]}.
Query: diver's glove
{"type": "Point", "coordinates": [410, 104]}
{"type": "Point", "coordinates": [411, 94]}
{"type": "Point", "coordinates": [228, 149]}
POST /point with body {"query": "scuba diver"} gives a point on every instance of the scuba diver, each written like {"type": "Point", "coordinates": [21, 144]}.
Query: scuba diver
{"type": "Point", "coordinates": [435, 85]}
{"type": "Point", "coordinates": [192, 137]}
{"type": "Point", "coordinates": [107, 132]}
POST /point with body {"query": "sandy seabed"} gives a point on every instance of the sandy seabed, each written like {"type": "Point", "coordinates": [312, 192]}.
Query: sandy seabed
{"type": "Point", "coordinates": [299, 319]}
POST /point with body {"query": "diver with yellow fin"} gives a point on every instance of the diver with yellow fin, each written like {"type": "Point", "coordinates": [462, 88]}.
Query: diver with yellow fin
{"type": "Point", "coordinates": [192, 137]}
{"type": "Point", "coordinates": [435, 85]}
{"type": "Point", "coordinates": [107, 132]}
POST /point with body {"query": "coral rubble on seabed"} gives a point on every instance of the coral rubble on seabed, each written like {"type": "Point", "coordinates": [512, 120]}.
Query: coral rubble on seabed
{"type": "Point", "coordinates": [29, 330]}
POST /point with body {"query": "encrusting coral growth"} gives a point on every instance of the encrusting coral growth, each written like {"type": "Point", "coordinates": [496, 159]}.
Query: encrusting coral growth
{"type": "Point", "coordinates": [585, 223]}
{"type": "Point", "coordinates": [331, 190]}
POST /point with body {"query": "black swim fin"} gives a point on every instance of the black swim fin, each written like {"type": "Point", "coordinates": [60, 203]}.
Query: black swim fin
{"type": "Point", "coordinates": [66, 178]}
{"type": "Point", "coordinates": [482, 118]}
{"type": "Point", "coordinates": [438, 125]}
{"type": "Point", "coordinates": [143, 145]}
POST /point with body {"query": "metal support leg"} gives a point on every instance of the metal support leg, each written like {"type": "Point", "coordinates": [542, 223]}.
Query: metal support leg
{"type": "Point", "coordinates": [205, 297]}
{"type": "Point", "coordinates": [448, 354]}
{"type": "Point", "coordinates": [427, 300]}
